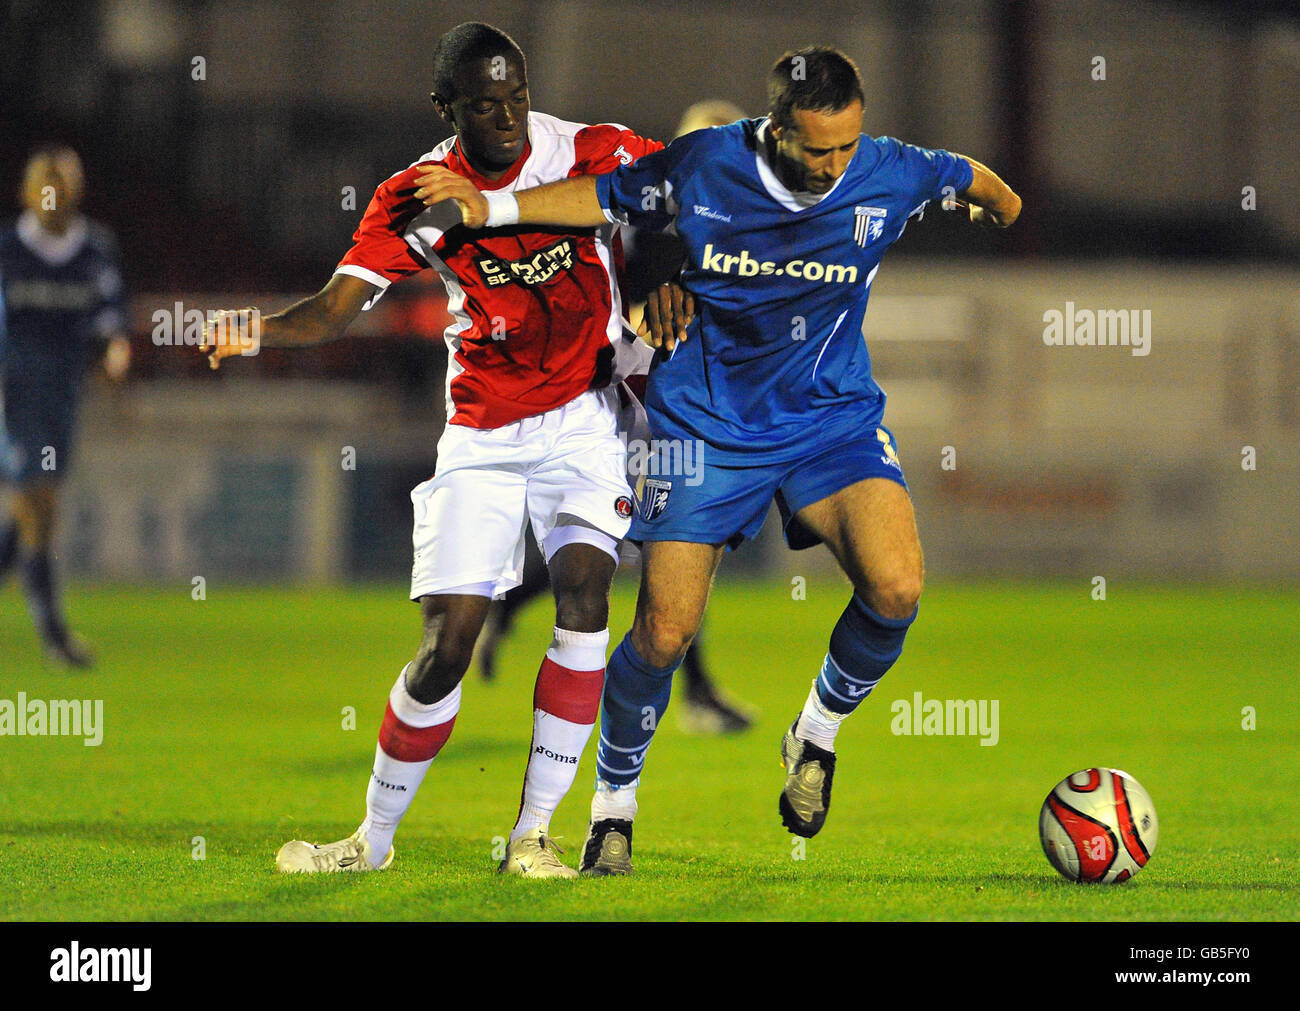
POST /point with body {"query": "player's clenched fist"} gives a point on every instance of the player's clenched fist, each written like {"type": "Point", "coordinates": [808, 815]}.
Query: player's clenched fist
{"type": "Point", "coordinates": [231, 332]}
{"type": "Point", "coordinates": [438, 184]}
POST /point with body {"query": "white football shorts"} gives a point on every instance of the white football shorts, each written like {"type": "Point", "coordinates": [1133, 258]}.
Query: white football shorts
{"type": "Point", "coordinates": [565, 471]}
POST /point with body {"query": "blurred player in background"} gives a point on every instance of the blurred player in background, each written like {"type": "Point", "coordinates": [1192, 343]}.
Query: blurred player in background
{"type": "Point", "coordinates": [785, 221]}
{"type": "Point", "coordinates": [651, 256]}
{"type": "Point", "coordinates": [60, 297]}
{"type": "Point", "coordinates": [536, 345]}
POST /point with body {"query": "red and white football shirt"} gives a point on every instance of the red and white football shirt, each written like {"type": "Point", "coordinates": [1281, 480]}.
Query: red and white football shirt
{"type": "Point", "coordinates": [537, 312]}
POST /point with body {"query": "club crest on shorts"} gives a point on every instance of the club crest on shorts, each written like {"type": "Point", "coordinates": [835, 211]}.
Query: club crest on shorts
{"type": "Point", "coordinates": [868, 223]}
{"type": "Point", "coordinates": [623, 506]}
{"type": "Point", "coordinates": [654, 498]}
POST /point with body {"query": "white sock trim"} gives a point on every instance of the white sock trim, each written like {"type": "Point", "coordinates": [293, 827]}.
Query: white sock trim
{"type": "Point", "coordinates": [582, 651]}
{"type": "Point", "coordinates": [817, 724]}
{"type": "Point", "coordinates": [610, 801]}
{"type": "Point", "coordinates": [416, 714]}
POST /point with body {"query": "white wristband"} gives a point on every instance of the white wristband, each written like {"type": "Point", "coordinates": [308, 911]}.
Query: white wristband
{"type": "Point", "coordinates": [503, 209]}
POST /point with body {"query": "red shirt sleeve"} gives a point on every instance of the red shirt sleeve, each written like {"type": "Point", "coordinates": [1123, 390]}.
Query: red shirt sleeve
{"type": "Point", "coordinates": [379, 247]}
{"type": "Point", "coordinates": [603, 148]}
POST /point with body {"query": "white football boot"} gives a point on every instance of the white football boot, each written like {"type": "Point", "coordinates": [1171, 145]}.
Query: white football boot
{"type": "Point", "coordinates": [534, 855]}
{"type": "Point", "coordinates": [350, 854]}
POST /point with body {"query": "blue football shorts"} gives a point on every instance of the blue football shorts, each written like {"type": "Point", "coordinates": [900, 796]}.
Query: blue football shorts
{"type": "Point", "coordinates": [707, 504]}
{"type": "Point", "coordinates": [34, 448]}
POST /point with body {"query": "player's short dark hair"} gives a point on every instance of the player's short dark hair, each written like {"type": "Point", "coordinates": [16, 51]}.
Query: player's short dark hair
{"type": "Point", "coordinates": [816, 77]}
{"type": "Point", "coordinates": [52, 152]}
{"type": "Point", "coordinates": [472, 40]}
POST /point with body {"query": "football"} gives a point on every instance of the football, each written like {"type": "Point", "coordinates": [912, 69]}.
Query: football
{"type": "Point", "coordinates": [1098, 826]}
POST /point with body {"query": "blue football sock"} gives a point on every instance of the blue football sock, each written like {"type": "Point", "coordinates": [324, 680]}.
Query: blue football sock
{"type": "Point", "coordinates": [636, 696]}
{"type": "Point", "coordinates": [864, 646]}
{"type": "Point", "coordinates": [8, 548]}
{"type": "Point", "coordinates": [38, 586]}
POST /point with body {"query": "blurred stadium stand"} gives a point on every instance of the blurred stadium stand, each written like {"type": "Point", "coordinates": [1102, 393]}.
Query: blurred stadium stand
{"type": "Point", "coordinates": [244, 188]}
{"type": "Point", "coordinates": [236, 181]}
{"type": "Point", "coordinates": [1068, 460]}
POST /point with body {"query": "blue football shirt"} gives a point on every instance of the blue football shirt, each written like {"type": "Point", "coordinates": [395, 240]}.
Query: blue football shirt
{"type": "Point", "coordinates": [59, 294]}
{"type": "Point", "coordinates": [775, 356]}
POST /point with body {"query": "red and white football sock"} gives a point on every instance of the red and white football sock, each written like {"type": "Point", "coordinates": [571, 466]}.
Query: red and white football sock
{"type": "Point", "coordinates": [411, 734]}
{"type": "Point", "coordinates": [565, 703]}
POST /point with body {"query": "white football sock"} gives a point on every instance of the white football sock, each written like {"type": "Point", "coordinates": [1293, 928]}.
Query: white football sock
{"type": "Point", "coordinates": [388, 796]}
{"type": "Point", "coordinates": [817, 724]}
{"type": "Point", "coordinates": [611, 801]}
{"type": "Point", "coordinates": [393, 782]}
{"type": "Point", "coordinates": [569, 682]}
{"type": "Point", "coordinates": [557, 747]}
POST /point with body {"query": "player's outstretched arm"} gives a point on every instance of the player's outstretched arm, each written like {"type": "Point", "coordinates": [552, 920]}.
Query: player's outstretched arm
{"type": "Point", "coordinates": [992, 202]}
{"type": "Point", "coordinates": [322, 317]}
{"type": "Point", "coordinates": [570, 203]}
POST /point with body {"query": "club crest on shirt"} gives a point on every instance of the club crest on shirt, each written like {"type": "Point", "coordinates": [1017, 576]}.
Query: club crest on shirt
{"type": "Point", "coordinates": [654, 498]}
{"type": "Point", "coordinates": [623, 506]}
{"type": "Point", "coordinates": [868, 223]}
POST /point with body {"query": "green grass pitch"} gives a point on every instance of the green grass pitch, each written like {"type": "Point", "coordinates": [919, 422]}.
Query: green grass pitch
{"type": "Point", "coordinates": [225, 719]}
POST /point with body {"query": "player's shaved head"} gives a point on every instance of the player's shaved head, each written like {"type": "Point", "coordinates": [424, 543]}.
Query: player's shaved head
{"type": "Point", "coordinates": [707, 113]}
{"type": "Point", "coordinates": [815, 78]}
{"type": "Point", "coordinates": [468, 43]}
